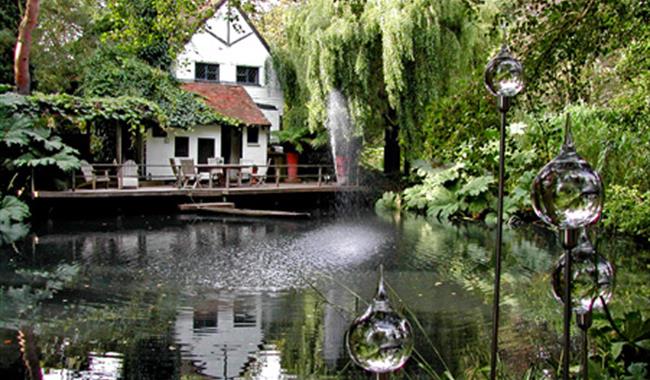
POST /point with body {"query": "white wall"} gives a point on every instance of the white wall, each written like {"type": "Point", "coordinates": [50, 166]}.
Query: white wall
{"type": "Point", "coordinates": [249, 51]}
{"type": "Point", "coordinates": [160, 149]}
{"type": "Point", "coordinates": [256, 152]}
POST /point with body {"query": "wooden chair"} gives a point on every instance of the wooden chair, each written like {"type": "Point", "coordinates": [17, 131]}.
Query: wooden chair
{"type": "Point", "coordinates": [246, 173]}
{"type": "Point", "coordinates": [173, 163]}
{"type": "Point", "coordinates": [216, 174]}
{"type": "Point", "coordinates": [190, 174]}
{"type": "Point", "coordinates": [127, 175]}
{"type": "Point", "coordinates": [91, 177]}
{"type": "Point", "coordinates": [259, 178]}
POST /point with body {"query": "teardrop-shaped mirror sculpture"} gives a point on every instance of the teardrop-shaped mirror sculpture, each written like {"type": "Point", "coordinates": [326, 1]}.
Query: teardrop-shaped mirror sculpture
{"type": "Point", "coordinates": [504, 75]}
{"type": "Point", "coordinates": [380, 340]}
{"type": "Point", "coordinates": [567, 192]}
{"type": "Point", "coordinates": [592, 278]}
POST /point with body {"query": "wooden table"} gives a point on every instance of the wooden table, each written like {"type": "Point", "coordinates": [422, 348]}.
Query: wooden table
{"type": "Point", "coordinates": [215, 168]}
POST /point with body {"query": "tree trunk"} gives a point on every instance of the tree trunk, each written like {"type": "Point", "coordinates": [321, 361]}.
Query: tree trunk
{"type": "Point", "coordinates": [24, 46]}
{"type": "Point", "coordinates": [391, 150]}
{"type": "Point", "coordinates": [29, 351]}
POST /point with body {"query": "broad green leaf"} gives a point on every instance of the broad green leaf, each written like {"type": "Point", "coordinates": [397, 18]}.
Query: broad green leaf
{"type": "Point", "coordinates": [476, 186]}
{"type": "Point", "coordinates": [617, 348]}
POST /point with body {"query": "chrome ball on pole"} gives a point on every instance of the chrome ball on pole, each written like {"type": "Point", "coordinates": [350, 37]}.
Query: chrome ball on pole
{"type": "Point", "coordinates": [568, 194]}
{"type": "Point", "coordinates": [504, 78]}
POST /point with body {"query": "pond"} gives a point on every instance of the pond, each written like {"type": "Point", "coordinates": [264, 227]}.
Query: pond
{"type": "Point", "coordinates": [196, 297]}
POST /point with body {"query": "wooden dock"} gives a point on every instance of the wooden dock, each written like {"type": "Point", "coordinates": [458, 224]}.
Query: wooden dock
{"type": "Point", "coordinates": [174, 192]}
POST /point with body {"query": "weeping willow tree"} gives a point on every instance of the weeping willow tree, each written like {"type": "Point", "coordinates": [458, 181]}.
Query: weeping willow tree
{"type": "Point", "coordinates": [390, 58]}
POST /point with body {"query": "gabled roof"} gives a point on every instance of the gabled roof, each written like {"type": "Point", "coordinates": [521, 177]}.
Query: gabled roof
{"type": "Point", "coordinates": [229, 100]}
{"type": "Point", "coordinates": [257, 33]}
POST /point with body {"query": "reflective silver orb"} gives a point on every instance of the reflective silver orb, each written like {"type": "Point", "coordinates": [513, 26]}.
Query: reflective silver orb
{"type": "Point", "coordinates": [380, 340]}
{"type": "Point", "coordinates": [567, 192]}
{"type": "Point", "coordinates": [504, 75]}
{"type": "Point", "coordinates": [592, 278]}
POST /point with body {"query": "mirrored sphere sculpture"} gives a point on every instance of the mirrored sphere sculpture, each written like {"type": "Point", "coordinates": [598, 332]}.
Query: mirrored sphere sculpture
{"type": "Point", "coordinates": [380, 340]}
{"type": "Point", "coordinates": [567, 192]}
{"type": "Point", "coordinates": [504, 75]}
{"type": "Point", "coordinates": [592, 278]}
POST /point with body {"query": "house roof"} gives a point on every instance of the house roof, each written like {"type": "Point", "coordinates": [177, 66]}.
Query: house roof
{"type": "Point", "coordinates": [247, 19]}
{"type": "Point", "coordinates": [229, 100]}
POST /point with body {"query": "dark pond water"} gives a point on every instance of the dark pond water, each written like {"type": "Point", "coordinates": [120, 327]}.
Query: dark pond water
{"type": "Point", "coordinates": [169, 297]}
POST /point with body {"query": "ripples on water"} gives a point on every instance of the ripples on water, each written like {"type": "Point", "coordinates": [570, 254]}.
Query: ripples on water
{"type": "Point", "coordinates": [260, 299]}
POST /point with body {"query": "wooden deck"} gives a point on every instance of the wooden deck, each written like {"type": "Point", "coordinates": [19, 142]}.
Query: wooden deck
{"type": "Point", "coordinates": [171, 191]}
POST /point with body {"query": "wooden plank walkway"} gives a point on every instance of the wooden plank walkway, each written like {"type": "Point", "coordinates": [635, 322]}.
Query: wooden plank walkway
{"type": "Point", "coordinates": [171, 191]}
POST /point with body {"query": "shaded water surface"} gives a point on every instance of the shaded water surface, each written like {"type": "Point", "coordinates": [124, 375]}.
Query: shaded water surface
{"type": "Point", "coordinates": [212, 298]}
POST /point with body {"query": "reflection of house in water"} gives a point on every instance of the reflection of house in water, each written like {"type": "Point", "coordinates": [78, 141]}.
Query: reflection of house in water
{"type": "Point", "coordinates": [107, 366]}
{"type": "Point", "coordinates": [221, 333]}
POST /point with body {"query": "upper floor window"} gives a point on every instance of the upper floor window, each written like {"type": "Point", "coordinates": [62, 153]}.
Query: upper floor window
{"type": "Point", "coordinates": [248, 75]}
{"type": "Point", "coordinates": [206, 71]}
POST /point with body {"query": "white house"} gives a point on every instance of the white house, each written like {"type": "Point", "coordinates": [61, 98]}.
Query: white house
{"type": "Point", "coordinates": [227, 63]}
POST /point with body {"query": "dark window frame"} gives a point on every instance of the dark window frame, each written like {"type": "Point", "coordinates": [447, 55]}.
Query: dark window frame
{"type": "Point", "coordinates": [256, 135]}
{"type": "Point", "coordinates": [249, 75]}
{"type": "Point", "coordinates": [203, 71]}
{"type": "Point", "coordinates": [178, 149]}
{"type": "Point", "coordinates": [157, 131]}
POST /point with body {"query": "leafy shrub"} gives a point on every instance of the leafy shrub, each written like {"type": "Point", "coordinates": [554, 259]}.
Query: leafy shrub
{"type": "Point", "coordinates": [627, 210]}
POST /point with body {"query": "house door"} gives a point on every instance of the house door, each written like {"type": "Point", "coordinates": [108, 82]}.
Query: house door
{"type": "Point", "coordinates": [231, 144]}
{"type": "Point", "coordinates": [205, 150]}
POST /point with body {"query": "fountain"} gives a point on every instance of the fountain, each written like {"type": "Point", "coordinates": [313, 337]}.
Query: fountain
{"type": "Point", "coordinates": [345, 146]}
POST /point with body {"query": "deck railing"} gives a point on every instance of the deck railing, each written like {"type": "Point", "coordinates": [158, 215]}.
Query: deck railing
{"type": "Point", "coordinates": [106, 175]}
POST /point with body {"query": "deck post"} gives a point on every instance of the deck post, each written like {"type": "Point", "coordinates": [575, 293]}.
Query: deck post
{"type": "Point", "coordinates": [118, 143]}
{"type": "Point", "coordinates": [74, 185]}
{"type": "Point", "coordinates": [32, 182]}
{"type": "Point", "coordinates": [277, 178]}
{"type": "Point", "coordinates": [320, 175]}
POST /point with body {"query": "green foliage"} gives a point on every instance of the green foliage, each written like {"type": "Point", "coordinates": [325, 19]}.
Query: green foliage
{"type": "Point", "coordinates": [26, 146]}
{"type": "Point", "coordinates": [389, 58]}
{"type": "Point", "coordinates": [622, 350]}
{"type": "Point", "coordinates": [22, 300]}
{"type": "Point", "coordinates": [65, 37]}
{"type": "Point", "coordinates": [627, 210]}
{"type": "Point", "coordinates": [450, 191]}
{"type": "Point", "coordinates": [110, 74]}
{"type": "Point", "coordinates": [13, 216]}
{"type": "Point", "coordinates": [9, 19]}
{"type": "Point", "coordinates": [560, 69]}
{"type": "Point", "coordinates": [152, 30]}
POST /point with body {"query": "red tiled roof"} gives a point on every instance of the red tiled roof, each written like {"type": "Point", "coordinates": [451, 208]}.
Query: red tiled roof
{"type": "Point", "coordinates": [229, 100]}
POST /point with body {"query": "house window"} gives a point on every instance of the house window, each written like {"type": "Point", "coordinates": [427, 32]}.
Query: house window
{"type": "Point", "coordinates": [253, 135]}
{"type": "Point", "coordinates": [157, 131]}
{"type": "Point", "coordinates": [181, 146]}
{"type": "Point", "coordinates": [206, 71]}
{"type": "Point", "coordinates": [248, 75]}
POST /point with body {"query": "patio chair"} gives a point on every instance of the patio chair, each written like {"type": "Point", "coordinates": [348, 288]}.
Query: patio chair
{"type": "Point", "coordinates": [190, 174]}
{"type": "Point", "coordinates": [246, 173]}
{"type": "Point", "coordinates": [92, 177]}
{"type": "Point", "coordinates": [216, 174]}
{"type": "Point", "coordinates": [259, 177]}
{"type": "Point", "coordinates": [127, 175]}
{"type": "Point", "coordinates": [174, 164]}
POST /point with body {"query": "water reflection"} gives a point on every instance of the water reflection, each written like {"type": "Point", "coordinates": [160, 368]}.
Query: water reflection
{"type": "Point", "coordinates": [252, 299]}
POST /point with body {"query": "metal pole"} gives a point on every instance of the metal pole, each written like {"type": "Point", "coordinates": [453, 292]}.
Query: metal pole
{"type": "Point", "coordinates": [584, 323]}
{"type": "Point", "coordinates": [382, 376]}
{"type": "Point", "coordinates": [566, 358]}
{"type": "Point", "coordinates": [503, 108]}
{"type": "Point", "coordinates": [569, 241]}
